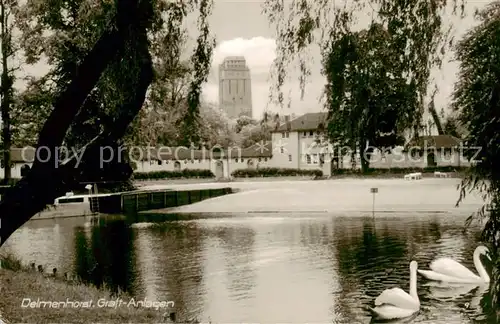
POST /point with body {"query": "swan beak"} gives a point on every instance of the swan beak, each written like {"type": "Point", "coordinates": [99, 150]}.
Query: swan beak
{"type": "Point", "coordinates": [489, 257]}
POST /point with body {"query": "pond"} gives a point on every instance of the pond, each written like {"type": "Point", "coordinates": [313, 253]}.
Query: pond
{"type": "Point", "coordinates": [273, 267]}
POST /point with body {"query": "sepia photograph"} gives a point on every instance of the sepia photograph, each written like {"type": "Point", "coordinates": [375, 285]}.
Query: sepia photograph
{"type": "Point", "coordinates": [250, 161]}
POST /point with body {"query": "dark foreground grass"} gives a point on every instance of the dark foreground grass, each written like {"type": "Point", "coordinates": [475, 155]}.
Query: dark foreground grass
{"type": "Point", "coordinates": [18, 282]}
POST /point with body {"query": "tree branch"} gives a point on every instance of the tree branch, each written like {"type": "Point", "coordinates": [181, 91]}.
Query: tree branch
{"type": "Point", "coordinates": [48, 180]}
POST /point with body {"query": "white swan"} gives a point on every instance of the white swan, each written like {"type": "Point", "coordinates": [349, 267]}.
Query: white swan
{"type": "Point", "coordinates": [450, 271]}
{"type": "Point", "coordinates": [395, 303]}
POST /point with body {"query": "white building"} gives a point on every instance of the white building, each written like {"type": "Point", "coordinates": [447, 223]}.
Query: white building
{"type": "Point", "coordinates": [221, 162]}
{"type": "Point", "coordinates": [235, 87]}
{"type": "Point", "coordinates": [301, 143]}
{"type": "Point", "coordinates": [298, 143]}
{"type": "Point", "coordinates": [21, 161]}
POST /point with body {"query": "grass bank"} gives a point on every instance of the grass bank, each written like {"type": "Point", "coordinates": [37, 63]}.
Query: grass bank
{"type": "Point", "coordinates": [18, 282]}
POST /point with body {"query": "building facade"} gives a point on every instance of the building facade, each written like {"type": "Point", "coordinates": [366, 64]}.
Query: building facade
{"type": "Point", "coordinates": [221, 162]}
{"type": "Point", "coordinates": [21, 161]}
{"type": "Point", "coordinates": [301, 143]}
{"type": "Point", "coordinates": [235, 87]}
{"type": "Point", "coordinates": [298, 143]}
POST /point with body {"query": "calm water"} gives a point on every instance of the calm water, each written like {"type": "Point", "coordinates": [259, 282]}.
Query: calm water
{"type": "Point", "coordinates": [269, 267]}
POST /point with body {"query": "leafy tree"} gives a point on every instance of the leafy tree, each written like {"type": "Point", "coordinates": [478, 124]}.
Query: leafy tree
{"type": "Point", "coordinates": [166, 104]}
{"type": "Point", "coordinates": [116, 61]}
{"type": "Point", "coordinates": [32, 108]}
{"type": "Point", "coordinates": [477, 100]}
{"type": "Point", "coordinates": [7, 81]}
{"type": "Point", "coordinates": [244, 121]}
{"type": "Point", "coordinates": [415, 36]}
{"type": "Point", "coordinates": [453, 127]}
{"type": "Point", "coordinates": [368, 101]}
{"type": "Point", "coordinates": [168, 95]}
{"type": "Point", "coordinates": [215, 125]}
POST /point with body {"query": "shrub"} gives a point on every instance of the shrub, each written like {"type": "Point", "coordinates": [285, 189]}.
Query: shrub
{"type": "Point", "coordinates": [10, 262]}
{"type": "Point", "coordinates": [275, 172]}
{"type": "Point", "coordinates": [381, 171]}
{"type": "Point", "coordinates": [186, 173]}
{"type": "Point", "coordinates": [11, 181]}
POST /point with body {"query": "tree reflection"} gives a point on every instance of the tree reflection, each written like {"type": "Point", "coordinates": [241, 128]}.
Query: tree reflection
{"type": "Point", "coordinates": [107, 258]}
{"type": "Point", "coordinates": [368, 248]}
{"type": "Point", "coordinates": [179, 265]}
{"type": "Point", "coordinates": [238, 244]}
{"type": "Point", "coordinates": [366, 254]}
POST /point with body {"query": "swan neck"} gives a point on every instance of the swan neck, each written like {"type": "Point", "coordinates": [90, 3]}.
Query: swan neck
{"type": "Point", "coordinates": [480, 267]}
{"type": "Point", "coordinates": [413, 284]}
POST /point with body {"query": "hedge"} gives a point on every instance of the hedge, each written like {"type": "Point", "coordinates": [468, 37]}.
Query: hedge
{"type": "Point", "coordinates": [11, 182]}
{"type": "Point", "coordinates": [275, 172]}
{"type": "Point", "coordinates": [186, 173]}
{"type": "Point", "coordinates": [373, 171]}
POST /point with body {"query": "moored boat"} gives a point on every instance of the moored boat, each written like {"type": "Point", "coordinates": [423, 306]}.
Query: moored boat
{"type": "Point", "coordinates": [71, 206]}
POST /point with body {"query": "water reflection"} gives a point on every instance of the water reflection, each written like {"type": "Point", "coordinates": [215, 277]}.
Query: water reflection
{"type": "Point", "coordinates": [230, 267]}
{"type": "Point", "coordinates": [169, 259]}
{"type": "Point", "coordinates": [269, 268]}
{"type": "Point", "coordinates": [107, 257]}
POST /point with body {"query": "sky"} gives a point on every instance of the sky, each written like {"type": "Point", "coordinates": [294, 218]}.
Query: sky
{"type": "Point", "coordinates": [241, 29]}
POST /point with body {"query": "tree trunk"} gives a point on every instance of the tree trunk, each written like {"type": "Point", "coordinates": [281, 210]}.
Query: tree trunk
{"type": "Point", "coordinates": [365, 154]}
{"type": "Point", "coordinates": [435, 117]}
{"type": "Point", "coordinates": [6, 94]}
{"type": "Point", "coordinates": [48, 180]}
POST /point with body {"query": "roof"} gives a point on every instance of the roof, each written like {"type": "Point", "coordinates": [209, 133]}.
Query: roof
{"type": "Point", "coordinates": [27, 155]}
{"type": "Point", "coordinates": [435, 141]}
{"type": "Point", "coordinates": [183, 153]}
{"type": "Point", "coordinates": [310, 121]}
{"type": "Point", "coordinates": [21, 155]}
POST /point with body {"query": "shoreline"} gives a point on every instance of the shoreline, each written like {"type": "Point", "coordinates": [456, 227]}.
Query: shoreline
{"type": "Point", "coordinates": [76, 302]}
{"type": "Point", "coordinates": [68, 301]}
{"type": "Point", "coordinates": [145, 183]}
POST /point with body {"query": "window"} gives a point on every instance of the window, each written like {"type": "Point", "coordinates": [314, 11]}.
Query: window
{"type": "Point", "coordinates": [308, 159]}
{"type": "Point", "coordinates": [260, 159]}
{"type": "Point", "coordinates": [304, 134]}
{"type": "Point", "coordinates": [289, 158]}
{"type": "Point", "coordinates": [282, 149]}
{"type": "Point", "coordinates": [311, 133]}
{"type": "Point", "coordinates": [242, 160]}
{"type": "Point", "coordinates": [315, 159]}
{"type": "Point", "coordinates": [192, 161]}
{"type": "Point", "coordinates": [285, 135]}
{"type": "Point", "coordinates": [70, 200]}
{"type": "Point", "coordinates": [160, 162]}
{"type": "Point", "coordinates": [185, 161]}
{"type": "Point", "coordinates": [236, 160]}
{"type": "Point", "coordinates": [265, 159]}
{"type": "Point", "coordinates": [24, 170]}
